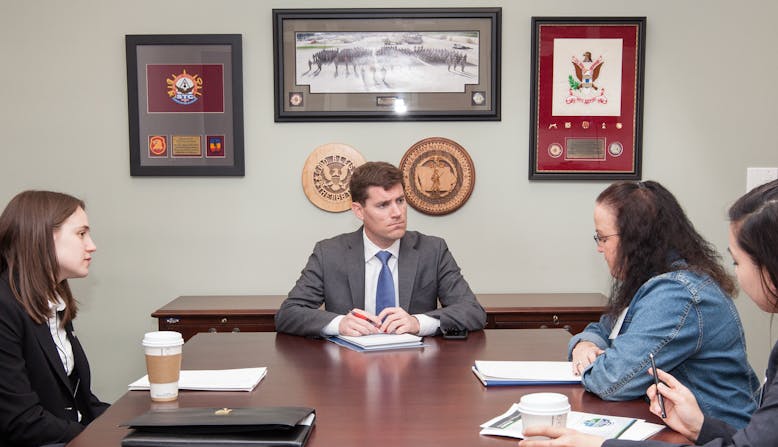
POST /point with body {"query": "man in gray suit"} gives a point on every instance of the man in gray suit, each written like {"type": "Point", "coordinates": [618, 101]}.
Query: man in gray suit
{"type": "Point", "coordinates": [346, 272]}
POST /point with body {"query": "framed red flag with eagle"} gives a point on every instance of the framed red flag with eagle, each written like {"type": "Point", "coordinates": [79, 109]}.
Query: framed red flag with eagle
{"type": "Point", "coordinates": [185, 104]}
{"type": "Point", "coordinates": [587, 98]}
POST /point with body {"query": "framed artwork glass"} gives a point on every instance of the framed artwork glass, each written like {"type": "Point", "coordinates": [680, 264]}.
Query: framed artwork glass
{"type": "Point", "coordinates": [586, 98]}
{"type": "Point", "coordinates": [387, 64]}
{"type": "Point", "coordinates": [185, 100]}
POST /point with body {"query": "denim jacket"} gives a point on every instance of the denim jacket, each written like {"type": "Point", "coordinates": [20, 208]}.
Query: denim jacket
{"type": "Point", "coordinates": [693, 329]}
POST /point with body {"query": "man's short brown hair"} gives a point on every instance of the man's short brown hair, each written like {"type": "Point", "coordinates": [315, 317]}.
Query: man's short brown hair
{"type": "Point", "coordinates": [373, 173]}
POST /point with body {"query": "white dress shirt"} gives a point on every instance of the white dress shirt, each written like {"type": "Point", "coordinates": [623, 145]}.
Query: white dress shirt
{"type": "Point", "coordinates": [619, 323]}
{"type": "Point", "coordinates": [61, 341]}
{"type": "Point", "coordinates": [60, 337]}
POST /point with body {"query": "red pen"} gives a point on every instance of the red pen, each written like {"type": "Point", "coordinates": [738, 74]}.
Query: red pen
{"type": "Point", "coordinates": [362, 316]}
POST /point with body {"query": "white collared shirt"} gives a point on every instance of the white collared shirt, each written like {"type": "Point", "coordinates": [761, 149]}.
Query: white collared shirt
{"type": "Point", "coordinates": [60, 337]}
{"type": "Point", "coordinates": [619, 322]}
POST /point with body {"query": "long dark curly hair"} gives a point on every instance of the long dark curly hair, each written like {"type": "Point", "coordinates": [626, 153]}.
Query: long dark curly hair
{"type": "Point", "coordinates": [654, 235]}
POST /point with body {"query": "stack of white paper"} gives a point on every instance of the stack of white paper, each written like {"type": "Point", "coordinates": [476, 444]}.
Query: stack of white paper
{"type": "Point", "coordinates": [378, 342]}
{"type": "Point", "coordinates": [242, 379]}
{"type": "Point", "coordinates": [609, 427]}
{"type": "Point", "coordinates": [497, 373]}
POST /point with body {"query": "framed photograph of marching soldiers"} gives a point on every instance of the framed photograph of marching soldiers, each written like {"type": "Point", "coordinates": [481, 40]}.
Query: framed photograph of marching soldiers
{"type": "Point", "coordinates": [387, 64]}
{"type": "Point", "coordinates": [185, 101]}
{"type": "Point", "coordinates": [586, 107]}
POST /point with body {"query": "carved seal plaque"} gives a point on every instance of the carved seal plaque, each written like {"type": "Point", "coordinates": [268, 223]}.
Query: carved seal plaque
{"type": "Point", "coordinates": [326, 174]}
{"type": "Point", "coordinates": [439, 176]}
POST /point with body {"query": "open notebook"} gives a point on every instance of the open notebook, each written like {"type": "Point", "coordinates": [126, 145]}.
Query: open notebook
{"type": "Point", "coordinates": [503, 373]}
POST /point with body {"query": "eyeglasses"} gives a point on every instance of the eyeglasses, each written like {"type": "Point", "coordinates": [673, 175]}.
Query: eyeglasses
{"type": "Point", "coordinates": [599, 240]}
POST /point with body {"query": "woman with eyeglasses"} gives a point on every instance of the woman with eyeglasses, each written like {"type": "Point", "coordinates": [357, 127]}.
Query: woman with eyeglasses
{"type": "Point", "coordinates": [671, 298]}
{"type": "Point", "coordinates": [753, 244]}
{"type": "Point", "coordinates": [45, 395]}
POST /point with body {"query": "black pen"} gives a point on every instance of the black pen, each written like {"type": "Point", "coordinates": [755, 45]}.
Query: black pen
{"type": "Point", "coordinates": [656, 383]}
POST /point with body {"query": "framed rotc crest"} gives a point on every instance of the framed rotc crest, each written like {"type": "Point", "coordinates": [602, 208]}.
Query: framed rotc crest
{"type": "Point", "coordinates": [185, 100]}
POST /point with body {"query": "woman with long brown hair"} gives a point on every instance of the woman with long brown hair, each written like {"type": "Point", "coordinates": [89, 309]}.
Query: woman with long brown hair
{"type": "Point", "coordinates": [45, 393]}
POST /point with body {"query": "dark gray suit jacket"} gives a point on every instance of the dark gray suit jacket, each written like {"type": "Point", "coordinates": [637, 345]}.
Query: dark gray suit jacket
{"type": "Point", "coordinates": [335, 277]}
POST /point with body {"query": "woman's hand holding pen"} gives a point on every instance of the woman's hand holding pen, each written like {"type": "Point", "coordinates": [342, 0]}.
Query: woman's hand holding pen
{"type": "Point", "coordinates": [584, 354]}
{"type": "Point", "coordinates": [358, 322]}
{"type": "Point", "coordinates": [683, 412]}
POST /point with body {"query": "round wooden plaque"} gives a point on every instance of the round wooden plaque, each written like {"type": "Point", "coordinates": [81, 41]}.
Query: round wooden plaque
{"type": "Point", "coordinates": [326, 174]}
{"type": "Point", "coordinates": [439, 176]}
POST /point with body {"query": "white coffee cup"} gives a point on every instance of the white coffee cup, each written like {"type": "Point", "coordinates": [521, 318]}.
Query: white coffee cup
{"type": "Point", "coordinates": [543, 409]}
{"type": "Point", "coordinates": [163, 363]}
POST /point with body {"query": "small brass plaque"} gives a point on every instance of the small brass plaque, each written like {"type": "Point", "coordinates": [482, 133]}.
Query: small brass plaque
{"type": "Point", "coordinates": [187, 146]}
{"type": "Point", "coordinates": [386, 101]}
{"type": "Point", "coordinates": [586, 148]}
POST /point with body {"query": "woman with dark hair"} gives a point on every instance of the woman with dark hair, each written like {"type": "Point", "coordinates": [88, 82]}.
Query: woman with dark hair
{"type": "Point", "coordinates": [670, 298]}
{"type": "Point", "coordinates": [753, 244]}
{"type": "Point", "coordinates": [45, 393]}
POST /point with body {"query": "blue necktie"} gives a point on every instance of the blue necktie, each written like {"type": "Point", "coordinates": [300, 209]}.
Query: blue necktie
{"type": "Point", "coordinates": [384, 296]}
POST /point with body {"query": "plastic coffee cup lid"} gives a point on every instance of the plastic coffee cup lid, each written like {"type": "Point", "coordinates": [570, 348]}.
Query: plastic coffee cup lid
{"type": "Point", "coordinates": [161, 339]}
{"type": "Point", "coordinates": [544, 403]}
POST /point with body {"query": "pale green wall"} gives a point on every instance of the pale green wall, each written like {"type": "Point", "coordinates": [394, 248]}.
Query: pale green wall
{"type": "Point", "coordinates": [710, 107]}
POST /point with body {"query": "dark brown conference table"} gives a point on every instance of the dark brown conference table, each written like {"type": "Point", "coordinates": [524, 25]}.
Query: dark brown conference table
{"type": "Point", "coordinates": [414, 397]}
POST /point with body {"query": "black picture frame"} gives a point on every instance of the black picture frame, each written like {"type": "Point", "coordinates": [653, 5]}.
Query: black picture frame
{"type": "Point", "coordinates": [387, 64]}
{"type": "Point", "coordinates": [586, 108]}
{"type": "Point", "coordinates": [185, 123]}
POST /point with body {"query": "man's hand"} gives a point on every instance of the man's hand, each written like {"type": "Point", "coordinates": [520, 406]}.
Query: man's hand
{"type": "Point", "coordinates": [397, 321]}
{"type": "Point", "coordinates": [358, 322]}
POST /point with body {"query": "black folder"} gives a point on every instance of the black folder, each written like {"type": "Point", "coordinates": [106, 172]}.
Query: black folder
{"type": "Point", "coordinates": [218, 427]}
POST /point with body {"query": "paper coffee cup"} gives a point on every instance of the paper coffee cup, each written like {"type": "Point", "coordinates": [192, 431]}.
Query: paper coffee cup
{"type": "Point", "coordinates": [163, 363]}
{"type": "Point", "coordinates": [543, 409]}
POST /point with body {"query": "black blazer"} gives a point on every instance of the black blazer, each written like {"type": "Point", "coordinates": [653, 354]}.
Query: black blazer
{"type": "Point", "coordinates": [36, 397]}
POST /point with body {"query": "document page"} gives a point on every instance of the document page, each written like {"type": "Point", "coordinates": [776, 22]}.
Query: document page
{"type": "Point", "coordinates": [367, 341]}
{"type": "Point", "coordinates": [609, 427]}
{"type": "Point", "coordinates": [527, 371]}
{"type": "Point", "coordinates": [241, 379]}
